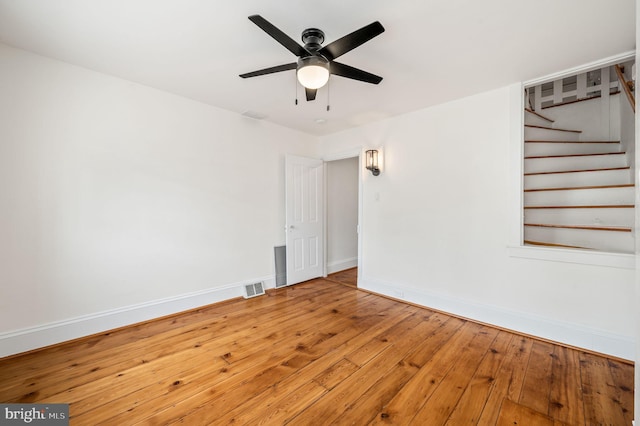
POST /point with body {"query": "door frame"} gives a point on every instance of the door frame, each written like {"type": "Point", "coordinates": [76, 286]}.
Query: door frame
{"type": "Point", "coordinates": [353, 153]}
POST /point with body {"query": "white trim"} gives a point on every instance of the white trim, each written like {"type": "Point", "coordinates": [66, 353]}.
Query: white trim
{"type": "Point", "coordinates": [325, 218]}
{"type": "Point", "coordinates": [342, 265]}
{"type": "Point", "coordinates": [30, 338]}
{"type": "Point", "coordinates": [343, 155]}
{"type": "Point", "coordinates": [613, 260]}
{"type": "Point", "coordinates": [516, 164]}
{"type": "Point", "coordinates": [562, 332]}
{"type": "Point", "coordinates": [352, 153]}
{"type": "Point", "coordinates": [611, 60]}
{"type": "Point", "coordinates": [360, 212]}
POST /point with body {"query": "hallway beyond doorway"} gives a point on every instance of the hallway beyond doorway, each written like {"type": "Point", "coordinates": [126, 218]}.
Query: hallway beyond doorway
{"type": "Point", "coordinates": [347, 277]}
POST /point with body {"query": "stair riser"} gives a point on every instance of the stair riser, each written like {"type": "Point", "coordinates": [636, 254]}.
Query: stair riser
{"type": "Point", "coordinates": [536, 165]}
{"type": "Point", "coordinates": [532, 149]}
{"type": "Point", "coordinates": [619, 242]}
{"type": "Point", "coordinates": [565, 180]}
{"type": "Point", "coordinates": [534, 120]}
{"type": "Point", "coordinates": [581, 197]}
{"type": "Point", "coordinates": [549, 134]}
{"type": "Point", "coordinates": [593, 217]}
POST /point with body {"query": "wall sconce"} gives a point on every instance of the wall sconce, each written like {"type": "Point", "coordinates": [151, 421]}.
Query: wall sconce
{"type": "Point", "coordinates": [371, 161]}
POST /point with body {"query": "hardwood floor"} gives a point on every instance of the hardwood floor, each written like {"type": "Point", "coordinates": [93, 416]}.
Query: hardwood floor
{"type": "Point", "coordinates": [320, 353]}
{"type": "Point", "coordinates": [347, 277]}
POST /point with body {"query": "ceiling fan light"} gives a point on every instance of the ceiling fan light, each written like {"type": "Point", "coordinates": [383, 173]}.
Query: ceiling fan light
{"type": "Point", "coordinates": [313, 72]}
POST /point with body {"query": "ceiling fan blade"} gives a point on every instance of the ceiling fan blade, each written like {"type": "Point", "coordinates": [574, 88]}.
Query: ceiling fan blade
{"type": "Point", "coordinates": [349, 42]}
{"type": "Point", "coordinates": [291, 45]}
{"type": "Point", "coordinates": [354, 73]}
{"type": "Point", "coordinates": [311, 93]}
{"type": "Point", "coordinates": [270, 70]}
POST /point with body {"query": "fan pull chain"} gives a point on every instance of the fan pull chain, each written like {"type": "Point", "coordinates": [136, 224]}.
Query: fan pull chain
{"type": "Point", "coordinates": [329, 93]}
{"type": "Point", "coordinates": [295, 80]}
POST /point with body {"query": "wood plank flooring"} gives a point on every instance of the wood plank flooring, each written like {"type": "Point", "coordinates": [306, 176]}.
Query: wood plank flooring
{"type": "Point", "coordinates": [347, 277]}
{"type": "Point", "coordinates": [320, 353]}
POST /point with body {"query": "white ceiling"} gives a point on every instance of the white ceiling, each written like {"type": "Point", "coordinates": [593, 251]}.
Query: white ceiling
{"type": "Point", "coordinates": [432, 51]}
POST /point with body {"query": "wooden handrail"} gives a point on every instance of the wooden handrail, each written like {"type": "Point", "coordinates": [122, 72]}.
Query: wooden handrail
{"type": "Point", "coordinates": [627, 90]}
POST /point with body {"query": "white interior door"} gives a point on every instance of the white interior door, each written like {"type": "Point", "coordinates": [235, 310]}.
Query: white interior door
{"type": "Point", "coordinates": [304, 184]}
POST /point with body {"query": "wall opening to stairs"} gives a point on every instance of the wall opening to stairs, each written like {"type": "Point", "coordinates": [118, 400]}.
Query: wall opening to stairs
{"type": "Point", "coordinates": [578, 160]}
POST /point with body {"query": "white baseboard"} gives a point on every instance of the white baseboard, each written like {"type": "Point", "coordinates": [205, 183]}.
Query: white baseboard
{"type": "Point", "coordinates": [27, 339]}
{"type": "Point", "coordinates": [341, 265]}
{"type": "Point", "coordinates": [562, 332]}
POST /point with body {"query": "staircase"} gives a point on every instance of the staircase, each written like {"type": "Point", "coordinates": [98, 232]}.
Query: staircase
{"type": "Point", "coordinates": [578, 194]}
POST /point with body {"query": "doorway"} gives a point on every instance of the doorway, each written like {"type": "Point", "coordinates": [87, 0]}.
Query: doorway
{"type": "Point", "coordinates": [342, 214]}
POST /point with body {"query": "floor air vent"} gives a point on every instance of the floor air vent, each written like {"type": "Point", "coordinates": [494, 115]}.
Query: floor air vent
{"type": "Point", "coordinates": [253, 290]}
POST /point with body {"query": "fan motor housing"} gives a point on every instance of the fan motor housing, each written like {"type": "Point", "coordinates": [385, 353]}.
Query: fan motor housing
{"type": "Point", "coordinates": [312, 39]}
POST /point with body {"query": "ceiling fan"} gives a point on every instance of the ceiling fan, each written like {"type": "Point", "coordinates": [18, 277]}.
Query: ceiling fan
{"type": "Point", "coordinates": [316, 62]}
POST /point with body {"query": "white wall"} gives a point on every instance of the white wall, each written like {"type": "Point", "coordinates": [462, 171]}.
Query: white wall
{"type": "Point", "coordinates": [342, 214]}
{"type": "Point", "coordinates": [437, 231]}
{"type": "Point", "coordinates": [596, 120]}
{"type": "Point", "coordinates": [119, 202]}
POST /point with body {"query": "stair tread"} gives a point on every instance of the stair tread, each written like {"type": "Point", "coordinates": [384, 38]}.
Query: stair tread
{"type": "Point", "coordinates": [583, 227]}
{"type": "Point", "coordinates": [578, 171]}
{"type": "Point", "coordinates": [534, 126]}
{"type": "Point", "coordinates": [572, 188]}
{"type": "Point", "coordinates": [540, 243]}
{"type": "Point", "coordinates": [572, 155]}
{"type": "Point", "coordinates": [548, 141]}
{"type": "Point", "coordinates": [601, 206]}
{"type": "Point", "coordinates": [529, 110]}
{"type": "Point", "coordinates": [584, 221]}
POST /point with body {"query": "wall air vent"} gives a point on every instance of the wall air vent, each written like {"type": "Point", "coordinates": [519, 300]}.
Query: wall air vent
{"type": "Point", "coordinates": [253, 290]}
{"type": "Point", "coordinates": [281, 266]}
{"type": "Point", "coordinates": [254, 115]}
